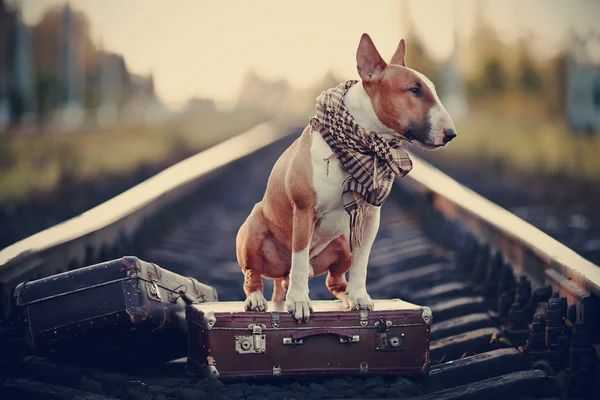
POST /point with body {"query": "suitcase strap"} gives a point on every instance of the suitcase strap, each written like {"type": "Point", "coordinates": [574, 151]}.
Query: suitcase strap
{"type": "Point", "coordinates": [181, 291]}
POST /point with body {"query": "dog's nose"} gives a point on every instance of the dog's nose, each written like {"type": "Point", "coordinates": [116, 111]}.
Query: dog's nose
{"type": "Point", "coordinates": [449, 134]}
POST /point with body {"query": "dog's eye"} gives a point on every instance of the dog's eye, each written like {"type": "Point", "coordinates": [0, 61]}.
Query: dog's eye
{"type": "Point", "coordinates": [416, 90]}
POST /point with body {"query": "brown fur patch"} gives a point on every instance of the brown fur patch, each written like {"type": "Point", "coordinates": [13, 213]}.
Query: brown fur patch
{"type": "Point", "coordinates": [396, 105]}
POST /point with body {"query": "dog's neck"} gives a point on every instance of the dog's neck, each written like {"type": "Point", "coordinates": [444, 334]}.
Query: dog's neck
{"type": "Point", "coordinates": [360, 107]}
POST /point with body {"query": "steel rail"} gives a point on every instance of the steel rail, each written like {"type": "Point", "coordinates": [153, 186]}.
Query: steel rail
{"type": "Point", "coordinates": [530, 251]}
{"type": "Point", "coordinates": [468, 283]}
{"type": "Point", "coordinates": [68, 244]}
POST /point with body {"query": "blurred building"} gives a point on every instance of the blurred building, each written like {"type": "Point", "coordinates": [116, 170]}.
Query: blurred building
{"type": "Point", "coordinates": [582, 88]}
{"type": "Point", "coordinates": [259, 93]}
{"type": "Point", "coordinates": [22, 84]}
{"type": "Point", "coordinates": [7, 27]}
{"type": "Point", "coordinates": [142, 105]}
{"type": "Point", "coordinates": [112, 81]}
{"type": "Point", "coordinates": [17, 75]}
{"type": "Point", "coordinates": [70, 113]}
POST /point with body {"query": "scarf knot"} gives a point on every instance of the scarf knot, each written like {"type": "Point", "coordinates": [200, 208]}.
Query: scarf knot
{"type": "Point", "coordinates": [370, 160]}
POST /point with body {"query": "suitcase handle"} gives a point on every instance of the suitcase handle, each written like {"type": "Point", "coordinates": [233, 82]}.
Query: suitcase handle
{"type": "Point", "coordinates": [298, 336]}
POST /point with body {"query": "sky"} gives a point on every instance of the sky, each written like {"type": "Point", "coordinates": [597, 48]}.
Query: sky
{"type": "Point", "coordinates": [204, 48]}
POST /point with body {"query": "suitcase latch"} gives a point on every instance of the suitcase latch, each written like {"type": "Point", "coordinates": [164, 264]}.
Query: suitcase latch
{"type": "Point", "coordinates": [252, 344]}
{"type": "Point", "coordinates": [386, 341]}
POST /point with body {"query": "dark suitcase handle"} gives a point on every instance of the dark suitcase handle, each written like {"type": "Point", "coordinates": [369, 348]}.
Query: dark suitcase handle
{"type": "Point", "coordinates": [304, 334]}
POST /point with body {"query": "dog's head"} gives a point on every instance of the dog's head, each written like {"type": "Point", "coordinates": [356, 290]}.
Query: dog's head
{"type": "Point", "coordinates": [403, 99]}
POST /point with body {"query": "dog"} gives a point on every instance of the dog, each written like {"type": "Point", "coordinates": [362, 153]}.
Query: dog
{"type": "Point", "coordinates": [302, 227]}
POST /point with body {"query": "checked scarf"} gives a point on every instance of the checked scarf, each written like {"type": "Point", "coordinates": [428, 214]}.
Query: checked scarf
{"type": "Point", "coordinates": [371, 161]}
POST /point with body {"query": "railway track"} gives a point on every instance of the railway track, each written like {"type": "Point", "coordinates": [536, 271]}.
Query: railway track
{"type": "Point", "coordinates": [564, 210]}
{"type": "Point", "coordinates": [516, 314]}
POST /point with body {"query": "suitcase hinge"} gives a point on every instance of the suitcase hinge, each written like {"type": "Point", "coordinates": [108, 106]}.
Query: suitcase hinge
{"type": "Point", "coordinates": [382, 325]}
{"type": "Point", "coordinates": [252, 344]}
{"type": "Point", "coordinates": [363, 316]}
{"type": "Point", "coordinates": [275, 319]}
{"type": "Point", "coordinates": [364, 367]}
{"type": "Point", "coordinates": [276, 370]}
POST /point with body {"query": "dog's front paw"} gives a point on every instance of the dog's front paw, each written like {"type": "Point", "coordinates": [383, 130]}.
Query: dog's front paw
{"type": "Point", "coordinates": [359, 300]}
{"type": "Point", "coordinates": [256, 302]}
{"type": "Point", "coordinates": [299, 305]}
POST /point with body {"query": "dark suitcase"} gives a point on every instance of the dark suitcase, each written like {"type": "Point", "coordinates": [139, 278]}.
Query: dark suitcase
{"type": "Point", "coordinates": [121, 308]}
{"type": "Point", "coordinates": [227, 342]}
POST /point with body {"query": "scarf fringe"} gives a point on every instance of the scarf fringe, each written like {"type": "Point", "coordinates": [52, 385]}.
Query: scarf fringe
{"type": "Point", "coordinates": [357, 227]}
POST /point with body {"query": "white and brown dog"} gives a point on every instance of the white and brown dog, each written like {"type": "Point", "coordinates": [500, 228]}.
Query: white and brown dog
{"type": "Point", "coordinates": [301, 227]}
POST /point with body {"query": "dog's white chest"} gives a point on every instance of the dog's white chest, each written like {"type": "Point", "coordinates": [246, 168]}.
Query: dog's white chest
{"type": "Point", "coordinates": [327, 181]}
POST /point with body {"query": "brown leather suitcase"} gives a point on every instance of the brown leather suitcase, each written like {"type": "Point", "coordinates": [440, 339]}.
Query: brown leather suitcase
{"type": "Point", "coordinates": [121, 308]}
{"type": "Point", "coordinates": [227, 342]}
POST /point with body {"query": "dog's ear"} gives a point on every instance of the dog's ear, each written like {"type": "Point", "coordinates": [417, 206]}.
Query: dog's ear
{"type": "Point", "coordinates": [399, 57]}
{"type": "Point", "coordinates": [369, 63]}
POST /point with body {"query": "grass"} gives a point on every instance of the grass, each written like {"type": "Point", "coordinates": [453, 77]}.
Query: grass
{"type": "Point", "coordinates": [510, 133]}
{"type": "Point", "coordinates": [33, 164]}
{"type": "Point", "coordinates": [523, 140]}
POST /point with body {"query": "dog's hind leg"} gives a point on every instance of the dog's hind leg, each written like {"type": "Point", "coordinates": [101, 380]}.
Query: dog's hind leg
{"type": "Point", "coordinates": [336, 259]}
{"type": "Point", "coordinates": [278, 290]}
{"type": "Point", "coordinates": [249, 254]}
{"type": "Point", "coordinates": [336, 278]}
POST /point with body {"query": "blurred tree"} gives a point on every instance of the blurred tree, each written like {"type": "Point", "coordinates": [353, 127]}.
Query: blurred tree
{"type": "Point", "coordinates": [529, 79]}
{"type": "Point", "coordinates": [487, 72]}
{"type": "Point", "coordinates": [493, 77]}
{"type": "Point", "coordinates": [554, 77]}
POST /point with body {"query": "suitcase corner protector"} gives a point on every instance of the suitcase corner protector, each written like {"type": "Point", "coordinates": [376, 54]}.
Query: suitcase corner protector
{"type": "Point", "coordinates": [427, 315]}
{"type": "Point", "coordinates": [212, 372]}
{"type": "Point", "coordinates": [208, 320]}
{"type": "Point", "coordinates": [19, 294]}
{"type": "Point", "coordinates": [131, 264]}
{"type": "Point", "coordinates": [426, 368]}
